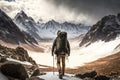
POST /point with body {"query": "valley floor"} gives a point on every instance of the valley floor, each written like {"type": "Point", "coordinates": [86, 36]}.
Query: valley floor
{"type": "Point", "coordinates": [79, 56]}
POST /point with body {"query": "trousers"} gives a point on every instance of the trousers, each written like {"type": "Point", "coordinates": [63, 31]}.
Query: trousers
{"type": "Point", "coordinates": [61, 63]}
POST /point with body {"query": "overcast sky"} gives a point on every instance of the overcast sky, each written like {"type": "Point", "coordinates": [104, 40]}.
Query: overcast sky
{"type": "Point", "coordinates": [94, 9]}
{"type": "Point", "coordinates": [85, 11]}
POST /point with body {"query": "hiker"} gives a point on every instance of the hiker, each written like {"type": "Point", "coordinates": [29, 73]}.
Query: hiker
{"type": "Point", "coordinates": [61, 48]}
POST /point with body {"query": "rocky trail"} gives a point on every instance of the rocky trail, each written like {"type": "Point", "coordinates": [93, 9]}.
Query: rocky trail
{"type": "Point", "coordinates": [51, 76]}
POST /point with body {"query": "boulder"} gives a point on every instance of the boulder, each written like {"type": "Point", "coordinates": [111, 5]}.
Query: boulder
{"type": "Point", "coordinates": [90, 74]}
{"type": "Point", "coordinates": [36, 73]}
{"type": "Point", "coordinates": [102, 77]}
{"type": "Point", "coordinates": [14, 70]}
{"type": "Point", "coordinates": [22, 54]}
{"type": "Point", "coordinates": [114, 74]}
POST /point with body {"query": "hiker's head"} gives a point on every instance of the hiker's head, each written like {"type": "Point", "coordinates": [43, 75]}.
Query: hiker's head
{"type": "Point", "coordinates": [58, 33]}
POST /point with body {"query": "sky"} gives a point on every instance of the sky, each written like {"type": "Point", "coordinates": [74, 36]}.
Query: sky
{"type": "Point", "coordinates": [75, 11]}
{"type": "Point", "coordinates": [94, 9]}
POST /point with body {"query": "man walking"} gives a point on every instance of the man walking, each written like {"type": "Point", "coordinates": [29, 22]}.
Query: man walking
{"type": "Point", "coordinates": [61, 48]}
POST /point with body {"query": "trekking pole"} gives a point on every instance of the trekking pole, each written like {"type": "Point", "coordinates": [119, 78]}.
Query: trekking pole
{"type": "Point", "coordinates": [53, 64]}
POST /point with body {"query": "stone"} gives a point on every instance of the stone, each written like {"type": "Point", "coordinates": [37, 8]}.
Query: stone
{"type": "Point", "coordinates": [90, 74]}
{"type": "Point", "coordinates": [102, 77]}
{"type": "Point", "coordinates": [36, 73]}
{"type": "Point", "coordinates": [14, 70]}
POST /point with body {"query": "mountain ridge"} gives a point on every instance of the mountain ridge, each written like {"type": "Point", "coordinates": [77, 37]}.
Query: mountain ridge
{"type": "Point", "coordinates": [49, 29]}
{"type": "Point", "coordinates": [107, 29]}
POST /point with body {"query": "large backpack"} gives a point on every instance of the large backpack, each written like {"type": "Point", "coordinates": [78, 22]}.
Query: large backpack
{"type": "Point", "coordinates": [61, 43]}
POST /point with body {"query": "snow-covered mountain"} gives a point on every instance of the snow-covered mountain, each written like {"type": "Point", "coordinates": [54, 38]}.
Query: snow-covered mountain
{"type": "Point", "coordinates": [26, 24]}
{"type": "Point", "coordinates": [108, 28]}
{"type": "Point", "coordinates": [49, 29]}
{"type": "Point", "coordinates": [10, 33]}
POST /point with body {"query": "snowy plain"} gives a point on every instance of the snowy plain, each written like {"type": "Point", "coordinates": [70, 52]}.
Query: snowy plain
{"type": "Point", "coordinates": [79, 55]}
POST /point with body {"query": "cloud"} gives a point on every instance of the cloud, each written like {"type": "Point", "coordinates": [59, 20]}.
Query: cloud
{"type": "Point", "coordinates": [76, 11]}
{"type": "Point", "coordinates": [42, 9]}
{"type": "Point", "coordinates": [93, 9]}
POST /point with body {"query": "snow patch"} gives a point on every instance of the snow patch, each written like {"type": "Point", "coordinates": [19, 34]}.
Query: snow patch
{"type": "Point", "coordinates": [14, 60]}
{"type": "Point", "coordinates": [51, 76]}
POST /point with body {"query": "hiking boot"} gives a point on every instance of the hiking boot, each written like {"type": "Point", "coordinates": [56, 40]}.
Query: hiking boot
{"type": "Point", "coordinates": [60, 75]}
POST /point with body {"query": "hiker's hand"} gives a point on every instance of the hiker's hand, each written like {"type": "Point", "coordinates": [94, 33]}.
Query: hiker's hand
{"type": "Point", "coordinates": [67, 55]}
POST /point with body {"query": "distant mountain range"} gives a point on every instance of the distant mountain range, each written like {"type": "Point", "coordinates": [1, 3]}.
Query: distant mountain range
{"type": "Point", "coordinates": [48, 30]}
{"type": "Point", "coordinates": [23, 29]}
{"type": "Point", "coordinates": [108, 28]}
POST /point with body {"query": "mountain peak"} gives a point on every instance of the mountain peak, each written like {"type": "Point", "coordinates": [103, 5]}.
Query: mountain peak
{"type": "Point", "coordinates": [9, 31]}
{"type": "Point", "coordinates": [21, 15]}
{"type": "Point", "coordinates": [108, 28]}
{"type": "Point", "coordinates": [52, 22]}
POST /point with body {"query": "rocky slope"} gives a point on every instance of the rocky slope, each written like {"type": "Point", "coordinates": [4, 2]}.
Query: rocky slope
{"type": "Point", "coordinates": [10, 33]}
{"type": "Point", "coordinates": [49, 29]}
{"type": "Point", "coordinates": [19, 54]}
{"type": "Point", "coordinates": [108, 28]}
{"type": "Point", "coordinates": [106, 68]}
{"type": "Point", "coordinates": [16, 64]}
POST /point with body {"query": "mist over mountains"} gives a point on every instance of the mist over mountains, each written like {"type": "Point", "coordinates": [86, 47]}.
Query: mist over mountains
{"type": "Point", "coordinates": [48, 30]}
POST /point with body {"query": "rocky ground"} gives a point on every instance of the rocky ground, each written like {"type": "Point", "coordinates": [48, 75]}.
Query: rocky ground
{"type": "Point", "coordinates": [16, 64]}
{"type": "Point", "coordinates": [13, 65]}
{"type": "Point", "coordinates": [107, 68]}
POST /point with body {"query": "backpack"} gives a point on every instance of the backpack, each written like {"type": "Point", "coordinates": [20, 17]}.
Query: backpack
{"type": "Point", "coordinates": [61, 43]}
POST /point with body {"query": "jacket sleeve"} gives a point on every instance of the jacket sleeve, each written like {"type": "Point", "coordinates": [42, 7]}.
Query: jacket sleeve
{"type": "Point", "coordinates": [68, 46]}
{"type": "Point", "coordinates": [53, 46]}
